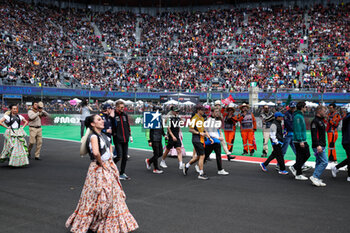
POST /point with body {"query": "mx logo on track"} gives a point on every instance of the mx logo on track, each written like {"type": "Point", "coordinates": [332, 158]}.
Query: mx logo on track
{"type": "Point", "coordinates": [152, 120]}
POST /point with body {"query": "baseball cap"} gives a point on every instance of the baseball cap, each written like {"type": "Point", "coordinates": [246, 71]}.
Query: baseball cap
{"type": "Point", "coordinates": [292, 104]}
{"type": "Point", "coordinates": [231, 105]}
{"type": "Point", "coordinates": [278, 114]}
{"type": "Point", "coordinates": [333, 105]}
{"type": "Point", "coordinates": [217, 102]}
{"type": "Point", "coordinates": [106, 106]}
{"type": "Point", "coordinates": [40, 104]}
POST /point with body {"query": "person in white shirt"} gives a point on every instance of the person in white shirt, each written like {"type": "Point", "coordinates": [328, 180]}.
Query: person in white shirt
{"type": "Point", "coordinates": [213, 126]}
{"type": "Point", "coordinates": [15, 146]}
{"type": "Point", "coordinates": [85, 110]}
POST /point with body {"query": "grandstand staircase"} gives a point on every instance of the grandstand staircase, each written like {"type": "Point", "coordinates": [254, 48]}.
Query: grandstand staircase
{"type": "Point", "coordinates": [305, 45]}
{"type": "Point", "coordinates": [99, 35]}
{"type": "Point", "coordinates": [63, 32]}
{"type": "Point", "coordinates": [138, 30]}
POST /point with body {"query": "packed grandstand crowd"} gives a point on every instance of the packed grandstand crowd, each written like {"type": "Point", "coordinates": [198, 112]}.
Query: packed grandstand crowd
{"type": "Point", "coordinates": [226, 49]}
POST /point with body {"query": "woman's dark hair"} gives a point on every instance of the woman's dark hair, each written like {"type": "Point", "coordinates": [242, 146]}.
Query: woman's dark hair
{"type": "Point", "coordinates": [88, 121]}
{"type": "Point", "coordinates": [84, 103]}
{"type": "Point", "coordinates": [35, 101]}
{"type": "Point", "coordinates": [300, 105]}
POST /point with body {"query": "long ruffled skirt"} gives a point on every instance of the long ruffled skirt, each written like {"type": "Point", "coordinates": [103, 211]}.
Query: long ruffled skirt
{"type": "Point", "coordinates": [15, 148]}
{"type": "Point", "coordinates": [102, 206]}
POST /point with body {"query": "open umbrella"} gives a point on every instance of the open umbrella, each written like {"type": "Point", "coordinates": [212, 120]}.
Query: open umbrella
{"type": "Point", "coordinates": [128, 102]}
{"type": "Point", "coordinates": [188, 103]}
{"type": "Point", "coordinates": [77, 100]}
{"type": "Point", "coordinates": [73, 102]}
{"type": "Point", "coordinates": [270, 104]}
{"type": "Point", "coordinates": [171, 102]}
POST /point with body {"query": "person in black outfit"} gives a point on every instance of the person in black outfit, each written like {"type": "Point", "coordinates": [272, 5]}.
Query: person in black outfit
{"type": "Point", "coordinates": [155, 141]}
{"type": "Point", "coordinates": [174, 137]}
{"type": "Point", "coordinates": [276, 137]}
{"type": "Point", "coordinates": [105, 115]}
{"type": "Point", "coordinates": [121, 134]}
{"type": "Point", "coordinates": [318, 135]}
{"type": "Point", "coordinates": [346, 144]}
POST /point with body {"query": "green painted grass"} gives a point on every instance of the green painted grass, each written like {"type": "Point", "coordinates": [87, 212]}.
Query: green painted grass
{"type": "Point", "coordinates": [73, 133]}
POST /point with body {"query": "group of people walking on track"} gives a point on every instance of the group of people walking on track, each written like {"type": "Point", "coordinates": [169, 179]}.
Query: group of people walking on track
{"type": "Point", "coordinates": [295, 136]}
{"type": "Point", "coordinates": [102, 206]}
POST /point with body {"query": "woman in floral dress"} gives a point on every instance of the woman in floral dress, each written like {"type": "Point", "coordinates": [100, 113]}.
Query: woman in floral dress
{"type": "Point", "coordinates": [15, 146]}
{"type": "Point", "coordinates": [102, 206]}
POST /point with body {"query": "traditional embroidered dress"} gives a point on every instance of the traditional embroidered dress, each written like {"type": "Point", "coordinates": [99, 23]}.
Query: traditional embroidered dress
{"type": "Point", "coordinates": [15, 146]}
{"type": "Point", "coordinates": [102, 206]}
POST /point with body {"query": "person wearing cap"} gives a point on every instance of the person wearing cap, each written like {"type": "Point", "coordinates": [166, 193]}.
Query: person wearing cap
{"type": "Point", "coordinates": [35, 131]}
{"type": "Point", "coordinates": [155, 141]}
{"type": "Point", "coordinates": [248, 127]}
{"type": "Point", "coordinates": [267, 118]}
{"type": "Point", "coordinates": [333, 121]}
{"type": "Point", "coordinates": [105, 115]}
{"type": "Point", "coordinates": [217, 104]}
{"type": "Point", "coordinates": [198, 134]}
{"type": "Point", "coordinates": [288, 128]}
{"type": "Point", "coordinates": [300, 143]}
{"type": "Point", "coordinates": [174, 140]}
{"type": "Point", "coordinates": [276, 137]}
{"type": "Point", "coordinates": [318, 135]}
{"type": "Point", "coordinates": [230, 122]}
{"type": "Point", "coordinates": [346, 145]}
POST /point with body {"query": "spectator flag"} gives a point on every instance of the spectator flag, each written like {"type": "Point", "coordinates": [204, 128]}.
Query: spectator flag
{"type": "Point", "coordinates": [228, 100]}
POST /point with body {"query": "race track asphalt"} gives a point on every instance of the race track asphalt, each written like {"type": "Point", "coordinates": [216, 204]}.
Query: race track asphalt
{"type": "Point", "coordinates": [39, 198]}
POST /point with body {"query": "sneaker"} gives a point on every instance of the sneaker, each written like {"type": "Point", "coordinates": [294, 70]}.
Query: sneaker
{"type": "Point", "coordinates": [181, 166]}
{"type": "Point", "coordinates": [203, 177]}
{"type": "Point", "coordinates": [348, 179]}
{"type": "Point", "coordinates": [124, 177]}
{"type": "Point", "coordinates": [292, 170]}
{"type": "Point", "coordinates": [223, 172]}
{"type": "Point", "coordinates": [156, 171]}
{"type": "Point", "coordinates": [301, 177]}
{"type": "Point", "coordinates": [163, 164]}
{"type": "Point", "coordinates": [315, 181]}
{"type": "Point", "coordinates": [334, 171]}
{"type": "Point", "coordinates": [283, 172]}
{"type": "Point", "coordinates": [263, 167]}
{"type": "Point", "coordinates": [230, 157]}
{"type": "Point", "coordinates": [277, 167]}
{"type": "Point", "coordinates": [305, 168]}
{"type": "Point", "coordinates": [197, 168]}
{"type": "Point", "coordinates": [185, 170]}
{"type": "Point", "coordinates": [251, 153]}
{"type": "Point", "coordinates": [322, 184]}
{"type": "Point", "coordinates": [147, 164]}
